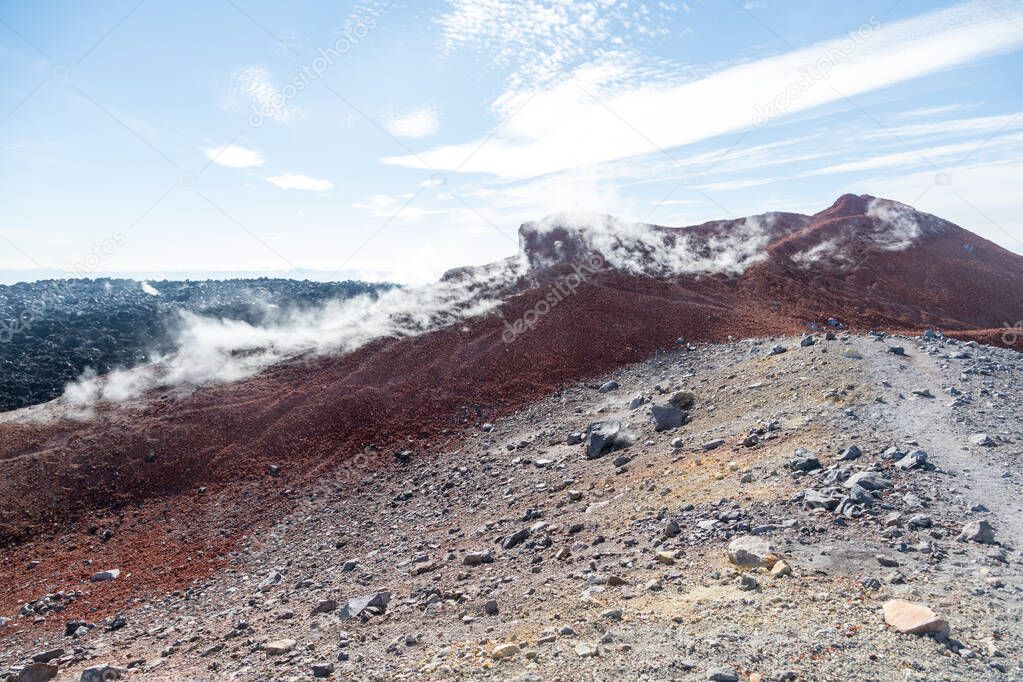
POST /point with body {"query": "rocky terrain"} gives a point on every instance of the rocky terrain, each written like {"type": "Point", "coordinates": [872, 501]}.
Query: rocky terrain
{"type": "Point", "coordinates": [745, 510]}
{"type": "Point", "coordinates": [728, 451]}
{"type": "Point", "coordinates": [52, 331]}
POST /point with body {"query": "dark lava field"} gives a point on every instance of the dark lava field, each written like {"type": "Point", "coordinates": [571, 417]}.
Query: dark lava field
{"type": "Point", "coordinates": [52, 331]}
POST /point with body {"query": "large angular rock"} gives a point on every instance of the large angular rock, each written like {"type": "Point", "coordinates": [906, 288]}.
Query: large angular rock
{"type": "Point", "coordinates": [978, 531]}
{"type": "Point", "coordinates": [813, 499]}
{"type": "Point", "coordinates": [911, 618]}
{"type": "Point", "coordinates": [476, 558]}
{"type": "Point", "coordinates": [321, 670]}
{"type": "Point", "coordinates": [982, 439]}
{"type": "Point", "coordinates": [914, 460]}
{"type": "Point", "coordinates": [36, 672]}
{"type": "Point", "coordinates": [48, 655]}
{"type": "Point", "coordinates": [868, 480]}
{"type": "Point", "coordinates": [603, 437]}
{"type": "Point", "coordinates": [804, 460]}
{"type": "Point", "coordinates": [506, 650]}
{"type": "Point", "coordinates": [101, 673]}
{"type": "Point", "coordinates": [859, 495]}
{"type": "Point", "coordinates": [356, 606]}
{"type": "Point", "coordinates": [279, 646]}
{"type": "Point", "coordinates": [722, 674]}
{"type": "Point", "coordinates": [750, 551]}
{"type": "Point", "coordinates": [324, 606]}
{"type": "Point", "coordinates": [682, 400]}
{"type": "Point", "coordinates": [666, 417]}
{"type": "Point", "coordinates": [515, 539]}
{"type": "Point", "coordinates": [850, 453]}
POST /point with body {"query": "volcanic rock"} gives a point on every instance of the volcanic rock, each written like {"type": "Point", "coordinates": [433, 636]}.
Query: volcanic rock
{"type": "Point", "coordinates": [911, 618]}
{"type": "Point", "coordinates": [477, 558]}
{"type": "Point", "coordinates": [105, 575]}
{"type": "Point", "coordinates": [603, 437]}
{"type": "Point", "coordinates": [36, 672]}
{"type": "Point", "coordinates": [682, 400]}
{"type": "Point", "coordinates": [978, 531]}
{"type": "Point", "coordinates": [665, 417]}
{"type": "Point", "coordinates": [101, 673]}
{"type": "Point", "coordinates": [804, 460]}
{"type": "Point", "coordinates": [868, 480]}
{"type": "Point", "coordinates": [850, 453]}
{"type": "Point", "coordinates": [356, 606]}
{"type": "Point", "coordinates": [279, 646]}
{"type": "Point", "coordinates": [515, 539]}
{"type": "Point", "coordinates": [750, 551]}
{"type": "Point", "coordinates": [506, 650]}
{"type": "Point", "coordinates": [914, 460]}
{"type": "Point", "coordinates": [981, 439]}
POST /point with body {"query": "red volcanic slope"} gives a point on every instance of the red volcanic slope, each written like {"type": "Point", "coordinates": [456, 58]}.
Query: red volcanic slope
{"type": "Point", "coordinates": [137, 470]}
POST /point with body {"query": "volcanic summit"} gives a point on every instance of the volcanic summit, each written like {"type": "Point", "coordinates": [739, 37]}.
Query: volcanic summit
{"type": "Point", "coordinates": [482, 404]}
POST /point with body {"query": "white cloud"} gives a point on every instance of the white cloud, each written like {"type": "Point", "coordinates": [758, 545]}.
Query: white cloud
{"type": "Point", "coordinates": [421, 122]}
{"type": "Point", "coordinates": [956, 127]}
{"type": "Point", "coordinates": [562, 127]}
{"type": "Point", "coordinates": [925, 156]}
{"type": "Point", "coordinates": [234, 156]}
{"type": "Point", "coordinates": [266, 101]}
{"type": "Point", "coordinates": [295, 181]}
{"type": "Point", "coordinates": [400, 207]}
{"type": "Point", "coordinates": [537, 39]}
{"type": "Point", "coordinates": [934, 111]}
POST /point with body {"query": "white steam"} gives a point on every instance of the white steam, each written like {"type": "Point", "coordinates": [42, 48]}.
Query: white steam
{"type": "Point", "coordinates": [889, 226]}
{"type": "Point", "coordinates": [727, 248]}
{"type": "Point", "coordinates": [899, 227]}
{"type": "Point", "coordinates": [826, 250]}
{"type": "Point", "coordinates": [214, 350]}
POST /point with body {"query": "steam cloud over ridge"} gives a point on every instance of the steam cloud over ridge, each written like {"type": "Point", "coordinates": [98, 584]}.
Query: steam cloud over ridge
{"type": "Point", "coordinates": [216, 350]}
{"type": "Point", "coordinates": [641, 249]}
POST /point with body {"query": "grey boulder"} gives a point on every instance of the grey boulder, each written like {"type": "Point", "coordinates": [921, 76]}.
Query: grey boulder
{"type": "Point", "coordinates": [666, 417]}
{"type": "Point", "coordinates": [603, 437]}
{"type": "Point", "coordinates": [868, 480]}
{"type": "Point", "coordinates": [357, 605]}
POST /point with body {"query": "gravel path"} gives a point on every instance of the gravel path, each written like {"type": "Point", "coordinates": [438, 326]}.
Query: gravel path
{"type": "Point", "coordinates": [515, 556]}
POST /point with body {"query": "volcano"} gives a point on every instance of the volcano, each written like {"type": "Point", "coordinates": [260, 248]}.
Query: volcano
{"type": "Point", "coordinates": [179, 477]}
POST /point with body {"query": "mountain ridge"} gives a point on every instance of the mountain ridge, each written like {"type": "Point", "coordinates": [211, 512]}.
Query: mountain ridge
{"type": "Point", "coordinates": [553, 326]}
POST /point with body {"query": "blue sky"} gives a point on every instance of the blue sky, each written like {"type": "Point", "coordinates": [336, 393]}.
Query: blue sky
{"type": "Point", "coordinates": [396, 140]}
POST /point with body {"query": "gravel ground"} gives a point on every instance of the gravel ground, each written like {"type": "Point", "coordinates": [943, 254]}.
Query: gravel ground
{"type": "Point", "coordinates": [516, 556]}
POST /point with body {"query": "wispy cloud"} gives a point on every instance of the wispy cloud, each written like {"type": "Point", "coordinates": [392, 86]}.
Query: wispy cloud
{"type": "Point", "coordinates": [563, 127]}
{"type": "Point", "coordinates": [925, 156]}
{"type": "Point", "coordinates": [922, 112]}
{"type": "Point", "coordinates": [255, 84]}
{"type": "Point", "coordinates": [398, 207]}
{"type": "Point", "coordinates": [538, 40]}
{"type": "Point", "coordinates": [295, 181]}
{"type": "Point", "coordinates": [234, 156]}
{"type": "Point", "coordinates": [418, 123]}
{"type": "Point", "coordinates": [956, 127]}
